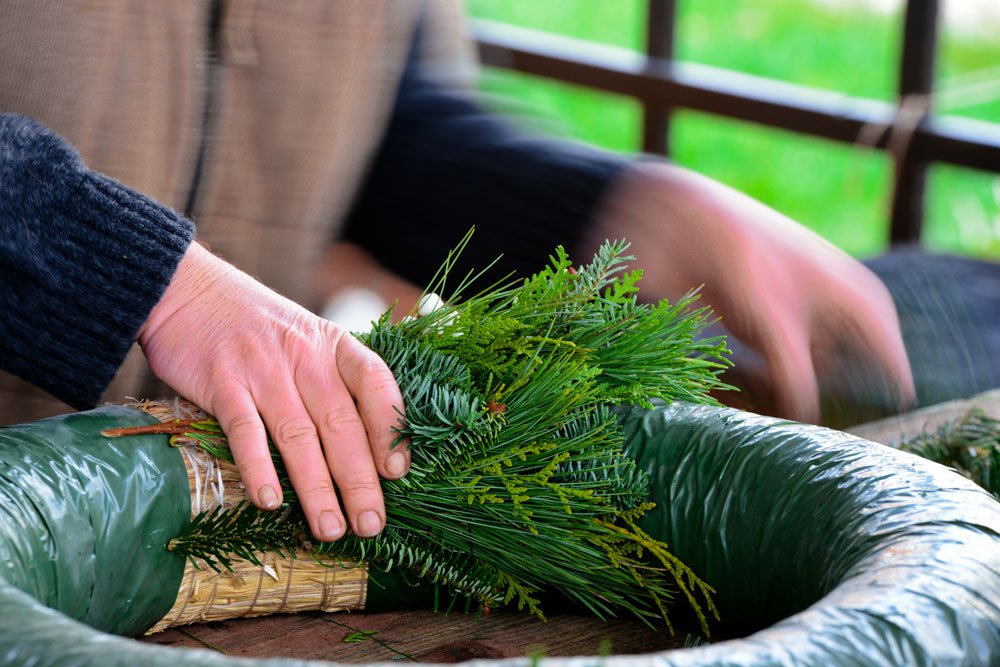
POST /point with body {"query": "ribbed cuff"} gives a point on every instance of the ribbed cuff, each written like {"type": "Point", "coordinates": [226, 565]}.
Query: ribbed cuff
{"type": "Point", "coordinates": [93, 260]}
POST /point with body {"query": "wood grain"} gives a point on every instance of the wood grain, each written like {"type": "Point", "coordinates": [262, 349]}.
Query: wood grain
{"type": "Point", "coordinates": [419, 636]}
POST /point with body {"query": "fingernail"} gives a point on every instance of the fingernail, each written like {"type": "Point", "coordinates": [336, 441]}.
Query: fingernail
{"type": "Point", "coordinates": [395, 465]}
{"type": "Point", "coordinates": [329, 525]}
{"type": "Point", "coordinates": [369, 524]}
{"type": "Point", "coordinates": [268, 498]}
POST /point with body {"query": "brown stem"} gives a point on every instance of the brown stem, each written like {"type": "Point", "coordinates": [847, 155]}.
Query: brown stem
{"type": "Point", "coordinates": [175, 427]}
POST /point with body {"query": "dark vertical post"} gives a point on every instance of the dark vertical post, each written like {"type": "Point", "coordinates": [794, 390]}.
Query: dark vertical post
{"type": "Point", "coordinates": [660, 19]}
{"type": "Point", "coordinates": [916, 77]}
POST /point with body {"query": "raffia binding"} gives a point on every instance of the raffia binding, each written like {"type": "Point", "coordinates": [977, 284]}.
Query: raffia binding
{"type": "Point", "coordinates": [282, 585]}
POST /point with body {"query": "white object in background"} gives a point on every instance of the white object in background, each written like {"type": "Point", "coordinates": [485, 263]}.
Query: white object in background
{"type": "Point", "coordinates": [429, 303]}
{"type": "Point", "coordinates": [354, 308]}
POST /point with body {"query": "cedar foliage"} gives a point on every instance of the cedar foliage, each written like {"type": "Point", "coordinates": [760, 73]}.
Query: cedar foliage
{"type": "Point", "coordinates": [518, 482]}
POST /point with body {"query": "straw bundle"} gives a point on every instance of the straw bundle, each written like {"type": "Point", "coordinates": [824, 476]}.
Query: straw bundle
{"type": "Point", "coordinates": [278, 585]}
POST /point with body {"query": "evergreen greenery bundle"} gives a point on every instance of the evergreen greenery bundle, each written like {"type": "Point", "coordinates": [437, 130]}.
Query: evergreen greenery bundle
{"type": "Point", "coordinates": [518, 483]}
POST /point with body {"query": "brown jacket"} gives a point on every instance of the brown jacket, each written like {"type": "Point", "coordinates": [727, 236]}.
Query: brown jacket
{"type": "Point", "coordinates": [285, 119]}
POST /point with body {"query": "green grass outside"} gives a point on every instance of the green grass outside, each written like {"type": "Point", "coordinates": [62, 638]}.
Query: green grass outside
{"type": "Point", "coordinates": [840, 191]}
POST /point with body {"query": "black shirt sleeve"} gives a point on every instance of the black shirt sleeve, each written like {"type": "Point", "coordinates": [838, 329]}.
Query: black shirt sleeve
{"type": "Point", "coordinates": [83, 260]}
{"type": "Point", "coordinates": [446, 165]}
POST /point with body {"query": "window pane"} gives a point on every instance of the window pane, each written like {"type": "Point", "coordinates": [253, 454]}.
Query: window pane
{"type": "Point", "coordinates": [560, 109]}
{"type": "Point", "coordinates": [851, 46]}
{"type": "Point", "coordinates": [836, 190]}
{"type": "Point", "coordinates": [963, 211]}
{"type": "Point", "coordinates": [968, 72]}
{"type": "Point", "coordinates": [848, 46]}
{"type": "Point", "coordinates": [619, 22]}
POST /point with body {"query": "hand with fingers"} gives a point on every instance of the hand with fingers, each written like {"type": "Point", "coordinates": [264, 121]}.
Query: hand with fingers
{"type": "Point", "coordinates": [812, 313]}
{"type": "Point", "coordinates": [257, 361]}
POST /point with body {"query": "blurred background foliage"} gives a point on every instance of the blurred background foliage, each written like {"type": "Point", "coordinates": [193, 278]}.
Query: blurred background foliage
{"type": "Point", "coordinates": [840, 191]}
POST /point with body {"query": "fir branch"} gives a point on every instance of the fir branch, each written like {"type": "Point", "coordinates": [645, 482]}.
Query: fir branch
{"type": "Point", "coordinates": [216, 536]}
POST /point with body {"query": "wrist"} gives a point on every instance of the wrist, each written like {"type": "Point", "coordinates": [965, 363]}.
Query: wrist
{"type": "Point", "coordinates": [351, 275]}
{"type": "Point", "coordinates": [196, 273]}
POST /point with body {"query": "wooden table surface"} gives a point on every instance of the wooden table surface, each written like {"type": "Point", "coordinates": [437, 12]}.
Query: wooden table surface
{"type": "Point", "coordinates": [419, 636]}
{"type": "Point", "coordinates": [927, 419]}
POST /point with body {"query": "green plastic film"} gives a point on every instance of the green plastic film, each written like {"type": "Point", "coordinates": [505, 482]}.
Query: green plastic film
{"type": "Point", "coordinates": [876, 557]}
{"type": "Point", "coordinates": [85, 518]}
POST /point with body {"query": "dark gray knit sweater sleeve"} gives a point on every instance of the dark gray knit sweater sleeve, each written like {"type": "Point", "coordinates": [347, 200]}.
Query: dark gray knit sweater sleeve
{"type": "Point", "coordinates": [83, 260]}
{"type": "Point", "coordinates": [446, 165]}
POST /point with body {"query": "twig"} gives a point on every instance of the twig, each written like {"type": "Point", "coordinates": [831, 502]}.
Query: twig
{"type": "Point", "coordinates": [370, 635]}
{"type": "Point", "coordinates": [203, 642]}
{"type": "Point", "coordinates": [176, 427]}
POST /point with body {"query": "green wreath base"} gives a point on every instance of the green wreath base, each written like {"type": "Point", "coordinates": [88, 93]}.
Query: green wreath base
{"type": "Point", "coordinates": [826, 549]}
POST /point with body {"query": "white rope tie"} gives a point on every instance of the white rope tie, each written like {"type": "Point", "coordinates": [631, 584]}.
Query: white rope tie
{"type": "Point", "coordinates": [208, 487]}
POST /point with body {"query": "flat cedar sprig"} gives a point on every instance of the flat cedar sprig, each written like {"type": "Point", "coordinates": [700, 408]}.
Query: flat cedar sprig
{"type": "Point", "coordinates": [519, 483]}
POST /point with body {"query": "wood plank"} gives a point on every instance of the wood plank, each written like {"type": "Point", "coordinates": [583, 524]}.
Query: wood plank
{"type": "Point", "coordinates": [913, 423]}
{"type": "Point", "coordinates": [421, 636]}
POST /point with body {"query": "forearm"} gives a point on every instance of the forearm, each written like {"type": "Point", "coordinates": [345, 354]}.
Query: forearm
{"type": "Point", "coordinates": [83, 260]}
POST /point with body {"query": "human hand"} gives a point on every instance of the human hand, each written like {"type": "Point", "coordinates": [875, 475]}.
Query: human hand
{"type": "Point", "coordinates": [814, 314]}
{"type": "Point", "coordinates": [252, 358]}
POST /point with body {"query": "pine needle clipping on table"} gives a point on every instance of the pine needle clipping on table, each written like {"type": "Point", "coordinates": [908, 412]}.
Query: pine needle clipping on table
{"type": "Point", "coordinates": [969, 444]}
{"type": "Point", "coordinates": [519, 486]}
